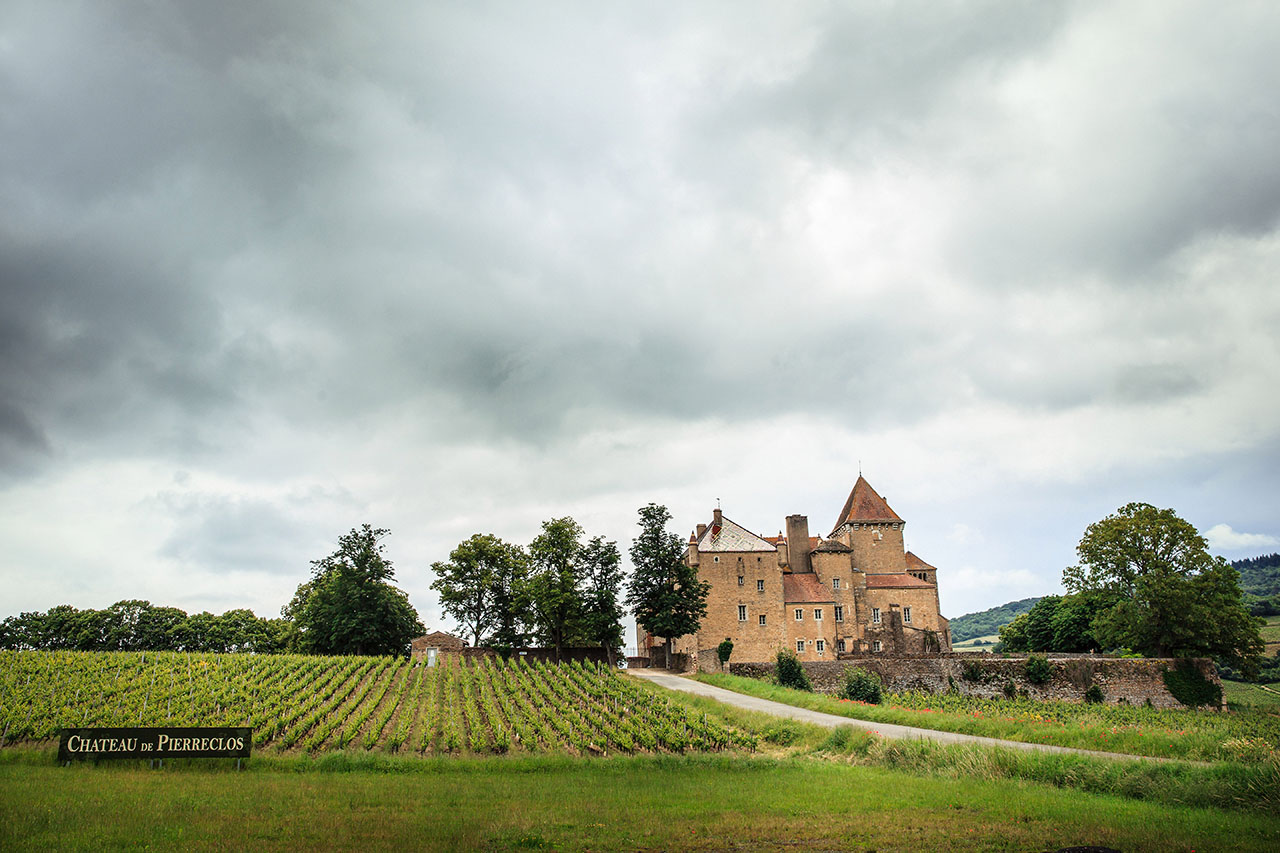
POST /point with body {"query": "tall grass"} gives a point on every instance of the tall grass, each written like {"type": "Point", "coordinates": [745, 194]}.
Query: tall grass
{"type": "Point", "coordinates": [1189, 734]}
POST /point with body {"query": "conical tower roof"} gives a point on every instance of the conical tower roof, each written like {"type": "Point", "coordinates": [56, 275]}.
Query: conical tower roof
{"type": "Point", "coordinates": [864, 504]}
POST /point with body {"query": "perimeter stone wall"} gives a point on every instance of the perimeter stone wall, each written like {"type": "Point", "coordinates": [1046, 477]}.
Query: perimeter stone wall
{"type": "Point", "coordinates": [1122, 680]}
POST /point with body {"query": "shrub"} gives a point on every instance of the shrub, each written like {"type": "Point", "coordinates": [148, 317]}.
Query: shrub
{"type": "Point", "coordinates": [1191, 688]}
{"type": "Point", "coordinates": [971, 670]}
{"type": "Point", "coordinates": [781, 733]}
{"type": "Point", "coordinates": [1010, 690]}
{"type": "Point", "coordinates": [724, 650]}
{"type": "Point", "coordinates": [790, 673]}
{"type": "Point", "coordinates": [1038, 670]}
{"type": "Point", "coordinates": [1093, 696]}
{"type": "Point", "coordinates": [861, 685]}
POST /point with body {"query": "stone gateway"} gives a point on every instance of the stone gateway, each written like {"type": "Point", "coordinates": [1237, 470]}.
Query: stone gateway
{"type": "Point", "coordinates": [857, 592]}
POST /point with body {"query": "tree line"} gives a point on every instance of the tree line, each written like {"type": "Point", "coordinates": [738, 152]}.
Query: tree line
{"type": "Point", "coordinates": [133, 626]}
{"type": "Point", "coordinates": [1147, 583]}
{"type": "Point", "coordinates": [561, 591]}
{"type": "Point", "coordinates": [349, 606]}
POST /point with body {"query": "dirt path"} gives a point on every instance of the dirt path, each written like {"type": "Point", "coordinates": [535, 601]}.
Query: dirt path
{"type": "Point", "coordinates": [778, 709]}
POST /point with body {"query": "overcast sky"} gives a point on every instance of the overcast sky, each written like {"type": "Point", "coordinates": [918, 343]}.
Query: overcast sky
{"type": "Point", "coordinates": [271, 270]}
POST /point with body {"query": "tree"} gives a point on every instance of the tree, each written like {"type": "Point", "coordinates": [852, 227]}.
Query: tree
{"type": "Point", "coordinates": [349, 606]}
{"type": "Point", "coordinates": [1172, 598]}
{"type": "Point", "coordinates": [551, 589]}
{"type": "Point", "coordinates": [601, 611]}
{"type": "Point", "coordinates": [665, 594]}
{"type": "Point", "coordinates": [479, 587]}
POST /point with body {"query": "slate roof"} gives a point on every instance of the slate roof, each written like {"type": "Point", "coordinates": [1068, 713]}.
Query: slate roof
{"type": "Point", "coordinates": [731, 536]}
{"type": "Point", "coordinates": [896, 580]}
{"type": "Point", "coordinates": [805, 588]}
{"type": "Point", "coordinates": [865, 504]}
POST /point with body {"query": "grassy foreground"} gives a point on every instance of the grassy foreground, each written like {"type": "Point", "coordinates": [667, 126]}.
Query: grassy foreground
{"type": "Point", "coordinates": [559, 802]}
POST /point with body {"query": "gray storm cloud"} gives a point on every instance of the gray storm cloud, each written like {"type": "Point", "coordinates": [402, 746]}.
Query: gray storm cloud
{"type": "Point", "coordinates": [289, 246]}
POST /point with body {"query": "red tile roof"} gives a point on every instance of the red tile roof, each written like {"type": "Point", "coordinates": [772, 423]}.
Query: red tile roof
{"type": "Point", "coordinates": [864, 504]}
{"type": "Point", "coordinates": [914, 562]}
{"type": "Point", "coordinates": [804, 588]}
{"type": "Point", "coordinates": [897, 580]}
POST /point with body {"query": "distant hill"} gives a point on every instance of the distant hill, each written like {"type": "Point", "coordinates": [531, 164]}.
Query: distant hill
{"type": "Point", "coordinates": [986, 622]}
{"type": "Point", "coordinates": [1259, 576]}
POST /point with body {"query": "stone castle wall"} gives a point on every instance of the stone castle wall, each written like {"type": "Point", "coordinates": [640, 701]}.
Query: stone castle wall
{"type": "Point", "coordinates": [1121, 680]}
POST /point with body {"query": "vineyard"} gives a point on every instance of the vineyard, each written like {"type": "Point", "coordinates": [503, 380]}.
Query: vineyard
{"type": "Point", "coordinates": [314, 704]}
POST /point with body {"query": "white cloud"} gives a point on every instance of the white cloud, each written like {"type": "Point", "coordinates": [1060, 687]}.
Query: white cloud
{"type": "Point", "coordinates": [1222, 538]}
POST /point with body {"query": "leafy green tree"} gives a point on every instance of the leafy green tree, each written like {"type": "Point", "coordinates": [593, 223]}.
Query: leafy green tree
{"type": "Point", "coordinates": [1172, 597]}
{"type": "Point", "coordinates": [350, 606]}
{"type": "Point", "coordinates": [1039, 624]}
{"type": "Point", "coordinates": [1013, 636]}
{"type": "Point", "coordinates": [665, 594]}
{"type": "Point", "coordinates": [551, 589]}
{"type": "Point", "coordinates": [479, 587]}
{"type": "Point", "coordinates": [1073, 621]}
{"type": "Point", "coordinates": [602, 583]}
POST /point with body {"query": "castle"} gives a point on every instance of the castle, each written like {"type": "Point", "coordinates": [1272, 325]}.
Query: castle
{"type": "Point", "coordinates": [856, 592]}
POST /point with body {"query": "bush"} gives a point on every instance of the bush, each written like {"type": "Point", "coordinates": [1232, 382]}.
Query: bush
{"type": "Point", "coordinates": [1010, 690]}
{"type": "Point", "coordinates": [861, 686]}
{"type": "Point", "coordinates": [791, 673]}
{"type": "Point", "coordinates": [1093, 696]}
{"type": "Point", "coordinates": [724, 650]}
{"type": "Point", "coordinates": [1038, 670]}
{"type": "Point", "coordinates": [1191, 688]}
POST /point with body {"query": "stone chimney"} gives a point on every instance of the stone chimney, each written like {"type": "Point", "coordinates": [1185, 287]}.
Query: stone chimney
{"type": "Point", "coordinates": [716, 516]}
{"type": "Point", "coordinates": [702, 528]}
{"type": "Point", "coordinates": [798, 543]}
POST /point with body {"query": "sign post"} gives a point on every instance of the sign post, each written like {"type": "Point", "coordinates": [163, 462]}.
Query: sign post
{"type": "Point", "coordinates": [154, 743]}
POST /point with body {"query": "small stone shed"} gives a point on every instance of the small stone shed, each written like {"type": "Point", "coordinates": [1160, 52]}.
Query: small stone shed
{"type": "Point", "coordinates": [431, 646]}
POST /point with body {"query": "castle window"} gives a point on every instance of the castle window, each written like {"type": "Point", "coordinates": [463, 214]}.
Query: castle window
{"type": "Point", "coordinates": [759, 586]}
{"type": "Point", "coordinates": [741, 580]}
{"type": "Point", "coordinates": [835, 583]}
{"type": "Point", "coordinates": [742, 613]}
{"type": "Point", "coordinates": [875, 616]}
{"type": "Point", "coordinates": [715, 559]}
{"type": "Point", "coordinates": [906, 615]}
{"type": "Point", "coordinates": [800, 646]}
{"type": "Point", "coordinates": [840, 646]}
{"type": "Point", "coordinates": [839, 613]}
{"type": "Point", "coordinates": [875, 646]}
{"type": "Point", "coordinates": [761, 618]}
{"type": "Point", "coordinates": [817, 614]}
{"type": "Point", "coordinates": [822, 646]}
{"type": "Point", "coordinates": [799, 614]}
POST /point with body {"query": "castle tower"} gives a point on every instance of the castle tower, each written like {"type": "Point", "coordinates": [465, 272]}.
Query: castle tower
{"type": "Point", "coordinates": [869, 526]}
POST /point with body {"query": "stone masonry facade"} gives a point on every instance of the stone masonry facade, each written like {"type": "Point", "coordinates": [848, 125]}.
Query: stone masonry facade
{"type": "Point", "coordinates": [1121, 680]}
{"type": "Point", "coordinates": [857, 592]}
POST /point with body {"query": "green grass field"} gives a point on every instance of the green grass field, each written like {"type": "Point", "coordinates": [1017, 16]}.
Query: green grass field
{"type": "Point", "coordinates": [713, 777]}
{"type": "Point", "coordinates": [1202, 735]}
{"type": "Point", "coordinates": [724, 802]}
{"type": "Point", "coordinates": [977, 644]}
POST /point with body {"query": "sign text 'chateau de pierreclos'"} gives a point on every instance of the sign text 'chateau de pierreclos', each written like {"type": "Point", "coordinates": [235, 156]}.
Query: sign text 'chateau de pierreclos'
{"type": "Point", "coordinates": [856, 592]}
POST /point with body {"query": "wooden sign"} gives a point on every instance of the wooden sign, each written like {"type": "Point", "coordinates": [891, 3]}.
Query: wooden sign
{"type": "Point", "coordinates": [81, 744]}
